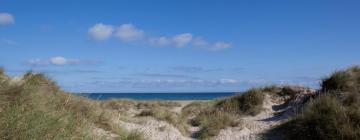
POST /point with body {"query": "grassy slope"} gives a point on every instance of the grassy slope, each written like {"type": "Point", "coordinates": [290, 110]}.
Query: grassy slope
{"type": "Point", "coordinates": [38, 109]}
{"type": "Point", "coordinates": [335, 114]}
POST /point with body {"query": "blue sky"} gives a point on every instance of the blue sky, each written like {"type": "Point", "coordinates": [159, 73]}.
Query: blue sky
{"type": "Point", "coordinates": [179, 46]}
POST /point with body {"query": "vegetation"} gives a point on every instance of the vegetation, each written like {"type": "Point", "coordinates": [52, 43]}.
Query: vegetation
{"type": "Point", "coordinates": [35, 108]}
{"type": "Point", "coordinates": [212, 121]}
{"type": "Point", "coordinates": [213, 116]}
{"type": "Point", "coordinates": [168, 116]}
{"type": "Point", "coordinates": [247, 103]}
{"type": "Point", "coordinates": [342, 81]}
{"type": "Point", "coordinates": [335, 114]}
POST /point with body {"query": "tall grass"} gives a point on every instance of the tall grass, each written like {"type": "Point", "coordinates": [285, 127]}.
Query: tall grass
{"type": "Point", "coordinates": [247, 103]}
{"type": "Point", "coordinates": [324, 119]}
{"type": "Point", "coordinates": [335, 114]}
{"type": "Point", "coordinates": [212, 121]}
{"type": "Point", "coordinates": [344, 80]}
{"type": "Point", "coordinates": [38, 109]}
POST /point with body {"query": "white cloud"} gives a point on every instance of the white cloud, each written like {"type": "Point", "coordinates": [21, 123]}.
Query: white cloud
{"type": "Point", "coordinates": [6, 19]}
{"type": "Point", "coordinates": [220, 46]}
{"type": "Point", "coordinates": [58, 60]}
{"type": "Point", "coordinates": [128, 32]}
{"type": "Point", "coordinates": [182, 40]}
{"type": "Point", "coordinates": [100, 32]}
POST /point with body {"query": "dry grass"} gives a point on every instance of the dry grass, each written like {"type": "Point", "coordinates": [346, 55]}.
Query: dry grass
{"type": "Point", "coordinates": [247, 103]}
{"type": "Point", "coordinates": [168, 116]}
{"type": "Point", "coordinates": [335, 114]}
{"type": "Point", "coordinates": [325, 119]}
{"type": "Point", "coordinates": [38, 109]}
{"type": "Point", "coordinates": [212, 121]}
{"type": "Point", "coordinates": [213, 116]}
{"type": "Point", "coordinates": [344, 80]}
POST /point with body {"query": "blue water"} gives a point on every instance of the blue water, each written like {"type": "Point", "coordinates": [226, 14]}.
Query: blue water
{"type": "Point", "coordinates": [158, 96]}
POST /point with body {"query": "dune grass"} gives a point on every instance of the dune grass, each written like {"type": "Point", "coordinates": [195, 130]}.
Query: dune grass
{"type": "Point", "coordinates": [38, 109]}
{"type": "Point", "coordinates": [212, 121]}
{"type": "Point", "coordinates": [335, 114]}
{"type": "Point", "coordinates": [165, 115]}
{"type": "Point", "coordinates": [213, 116]}
{"type": "Point", "coordinates": [343, 80]}
{"type": "Point", "coordinates": [247, 103]}
{"type": "Point", "coordinates": [324, 119]}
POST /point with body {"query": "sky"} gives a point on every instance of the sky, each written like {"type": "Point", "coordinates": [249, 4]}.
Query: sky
{"type": "Point", "coordinates": [179, 46]}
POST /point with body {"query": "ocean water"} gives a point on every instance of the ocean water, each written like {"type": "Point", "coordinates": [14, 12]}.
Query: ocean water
{"type": "Point", "coordinates": [158, 96]}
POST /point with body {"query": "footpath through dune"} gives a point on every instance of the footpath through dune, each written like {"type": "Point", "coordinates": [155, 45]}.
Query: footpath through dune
{"type": "Point", "coordinates": [276, 110]}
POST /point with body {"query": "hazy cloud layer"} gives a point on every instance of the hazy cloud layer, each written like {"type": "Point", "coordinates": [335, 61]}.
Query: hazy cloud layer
{"type": "Point", "coordinates": [163, 75]}
{"type": "Point", "coordinates": [6, 19]}
{"type": "Point", "coordinates": [58, 60]}
{"type": "Point", "coordinates": [130, 33]}
{"type": "Point", "coordinates": [7, 42]}
{"type": "Point", "coordinates": [192, 69]}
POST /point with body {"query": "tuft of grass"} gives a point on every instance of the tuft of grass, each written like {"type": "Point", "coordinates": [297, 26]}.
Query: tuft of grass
{"type": "Point", "coordinates": [247, 103]}
{"type": "Point", "coordinates": [212, 121]}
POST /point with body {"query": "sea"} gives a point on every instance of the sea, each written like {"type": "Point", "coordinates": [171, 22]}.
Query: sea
{"type": "Point", "coordinates": [159, 96]}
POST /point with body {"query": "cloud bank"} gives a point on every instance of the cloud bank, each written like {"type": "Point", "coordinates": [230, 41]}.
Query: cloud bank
{"type": "Point", "coordinates": [130, 33]}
